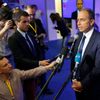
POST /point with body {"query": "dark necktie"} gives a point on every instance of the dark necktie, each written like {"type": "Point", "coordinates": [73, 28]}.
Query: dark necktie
{"type": "Point", "coordinates": [30, 44]}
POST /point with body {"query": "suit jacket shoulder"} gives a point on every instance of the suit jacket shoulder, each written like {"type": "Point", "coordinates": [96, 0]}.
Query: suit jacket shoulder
{"type": "Point", "coordinates": [22, 54]}
{"type": "Point", "coordinates": [74, 15]}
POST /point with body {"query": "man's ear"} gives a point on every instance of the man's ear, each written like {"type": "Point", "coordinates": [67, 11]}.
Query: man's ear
{"type": "Point", "coordinates": [16, 22]}
{"type": "Point", "coordinates": [92, 22]}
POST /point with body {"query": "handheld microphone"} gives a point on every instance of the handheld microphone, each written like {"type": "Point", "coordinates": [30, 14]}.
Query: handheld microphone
{"type": "Point", "coordinates": [60, 55]}
{"type": "Point", "coordinates": [77, 61]}
{"type": "Point", "coordinates": [63, 54]}
{"type": "Point", "coordinates": [73, 43]}
{"type": "Point", "coordinates": [59, 60]}
{"type": "Point", "coordinates": [64, 51]}
{"type": "Point", "coordinates": [58, 63]}
{"type": "Point", "coordinates": [54, 58]}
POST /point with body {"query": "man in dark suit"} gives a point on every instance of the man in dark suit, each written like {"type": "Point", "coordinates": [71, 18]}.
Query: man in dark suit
{"type": "Point", "coordinates": [79, 4]}
{"type": "Point", "coordinates": [25, 50]}
{"type": "Point", "coordinates": [36, 27]}
{"type": "Point", "coordinates": [86, 82]}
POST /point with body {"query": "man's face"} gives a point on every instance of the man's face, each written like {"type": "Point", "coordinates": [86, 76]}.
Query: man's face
{"type": "Point", "coordinates": [79, 4]}
{"type": "Point", "coordinates": [31, 12]}
{"type": "Point", "coordinates": [84, 22]}
{"type": "Point", "coordinates": [5, 66]}
{"type": "Point", "coordinates": [23, 24]}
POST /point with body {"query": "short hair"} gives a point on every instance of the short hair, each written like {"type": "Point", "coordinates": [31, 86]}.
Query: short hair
{"type": "Point", "coordinates": [31, 6]}
{"type": "Point", "coordinates": [15, 10]}
{"type": "Point", "coordinates": [19, 14]}
{"type": "Point", "coordinates": [53, 15]}
{"type": "Point", "coordinates": [78, 0]}
{"type": "Point", "coordinates": [90, 12]}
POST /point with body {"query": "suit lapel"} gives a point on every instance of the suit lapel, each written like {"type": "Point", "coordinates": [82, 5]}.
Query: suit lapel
{"type": "Point", "coordinates": [23, 43]}
{"type": "Point", "coordinates": [34, 43]}
{"type": "Point", "coordinates": [89, 46]}
{"type": "Point", "coordinates": [32, 38]}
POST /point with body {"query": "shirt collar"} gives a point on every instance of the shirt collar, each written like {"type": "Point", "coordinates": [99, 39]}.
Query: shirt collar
{"type": "Point", "coordinates": [9, 77]}
{"type": "Point", "coordinates": [89, 33]}
{"type": "Point", "coordinates": [21, 32]}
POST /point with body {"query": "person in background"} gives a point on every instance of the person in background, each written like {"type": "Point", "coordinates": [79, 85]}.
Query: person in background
{"type": "Point", "coordinates": [36, 27]}
{"type": "Point", "coordinates": [79, 5]}
{"type": "Point", "coordinates": [6, 30]}
{"type": "Point", "coordinates": [61, 26]}
{"type": "Point", "coordinates": [11, 79]}
{"type": "Point", "coordinates": [38, 13]}
{"type": "Point", "coordinates": [74, 31]}
{"type": "Point", "coordinates": [25, 50]}
{"type": "Point", "coordinates": [86, 76]}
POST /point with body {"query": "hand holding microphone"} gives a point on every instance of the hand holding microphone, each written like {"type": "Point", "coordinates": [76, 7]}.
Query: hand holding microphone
{"type": "Point", "coordinates": [56, 63]}
{"type": "Point", "coordinates": [61, 58]}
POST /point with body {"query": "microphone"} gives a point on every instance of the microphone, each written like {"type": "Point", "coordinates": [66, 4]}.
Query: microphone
{"type": "Point", "coordinates": [73, 43]}
{"type": "Point", "coordinates": [77, 61]}
{"type": "Point", "coordinates": [60, 58]}
{"type": "Point", "coordinates": [63, 53]}
{"type": "Point", "coordinates": [58, 63]}
{"type": "Point", "coordinates": [54, 58]}
{"type": "Point", "coordinates": [60, 55]}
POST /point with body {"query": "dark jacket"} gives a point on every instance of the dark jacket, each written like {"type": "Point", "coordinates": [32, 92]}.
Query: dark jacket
{"type": "Point", "coordinates": [23, 56]}
{"type": "Point", "coordinates": [89, 68]}
{"type": "Point", "coordinates": [74, 15]}
{"type": "Point", "coordinates": [61, 26]}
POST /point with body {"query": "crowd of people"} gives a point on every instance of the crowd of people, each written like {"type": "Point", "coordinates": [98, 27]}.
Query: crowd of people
{"type": "Point", "coordinates": [22, 53]}
{"type": "Point", "coordinates": [22, 43]}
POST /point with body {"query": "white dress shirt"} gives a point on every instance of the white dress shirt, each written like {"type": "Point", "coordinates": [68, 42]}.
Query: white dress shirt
{"type": "Point", "coordinates": [87, 39]}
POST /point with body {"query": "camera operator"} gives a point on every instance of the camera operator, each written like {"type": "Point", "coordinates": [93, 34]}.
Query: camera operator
{"type": "Point", "coordinates": [6, 30]}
